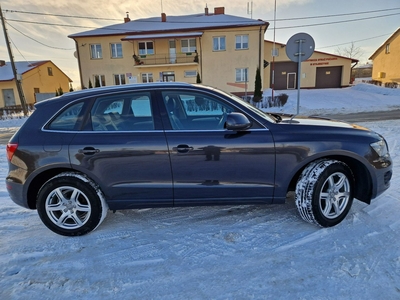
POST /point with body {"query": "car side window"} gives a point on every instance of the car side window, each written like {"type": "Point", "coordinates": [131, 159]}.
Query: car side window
{"type": "Point", "coordinates": [67, 120]}
{"type": "Point", "coordinates": [124, 112]}
{"type": "Point", "coordinates": [195, 111]}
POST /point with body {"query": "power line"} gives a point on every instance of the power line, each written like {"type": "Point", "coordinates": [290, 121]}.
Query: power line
{"type": "Point", "coordinates": [51, 24]}
{"type": "Point", "coordinates": [371, 38]}
{"type": "Point", "coordinates": [339, 15]}
{"type": "Point", "coordinates": [56, 15]}
{"type": "Point", "coordinates": [118, 29]}
{"type": "Point", "coordinates": [286, 19]}
{"type": "Point", "coordinates": [18, 49]}
{"type": "Point", "coordinates": [37, 40]}
{"type": "Point", "coordinates": [338, 22]}
{"type": "Point", "coordinates": [196, 22]}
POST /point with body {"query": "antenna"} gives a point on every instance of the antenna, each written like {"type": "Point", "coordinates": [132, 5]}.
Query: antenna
{"type": "Point", "coordinates": [250, 9]}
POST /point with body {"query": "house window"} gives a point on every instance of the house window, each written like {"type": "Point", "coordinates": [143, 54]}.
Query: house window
{"type": "Point", "coordinates": [241, 75]}
{"type": "Point", "coordinates": [146, 48]}
{"type": "Point", "coordinates": [188, 45]}
{"type": "Point", "coordinates": [147, 77]}
{"type": "Point", "coordinates": [119, 79]}
{"type": "Point", "coordinates": [99, 80]}
{"type": "Point", "coordinates": [50, 71]}
{"type": "Point", "coordinates": [387, 49]}
{"type": "Point", "coordinates": [242, 42]}
{"type": "Point", "coordinates": [219, 43]}
{"type": "Point", "coordinates": [95, 51]}
{"type": "Point", "coordinates": [116, 50]}
{"type": "Point", "coordinates": [191, 73]}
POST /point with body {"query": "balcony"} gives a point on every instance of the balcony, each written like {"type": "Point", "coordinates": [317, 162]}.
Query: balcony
{"type": "Point", "coordinates": [188, 58]}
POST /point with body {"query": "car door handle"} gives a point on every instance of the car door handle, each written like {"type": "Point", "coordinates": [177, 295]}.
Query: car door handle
{"type": "Point", "coordinates": [183, 148]}
{"type": "Point", "coordinates": [89, 151]}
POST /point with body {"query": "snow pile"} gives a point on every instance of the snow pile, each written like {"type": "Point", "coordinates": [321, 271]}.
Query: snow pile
{"type": "Point", "coordinates": [359, 98]}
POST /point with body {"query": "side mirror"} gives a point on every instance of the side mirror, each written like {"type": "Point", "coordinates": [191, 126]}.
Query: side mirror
{"type": "Point", "coordinates": [237, 121]}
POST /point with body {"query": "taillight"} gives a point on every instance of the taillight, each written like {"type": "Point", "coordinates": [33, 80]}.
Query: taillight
{"type": "Point", "coordinates": [11, 148]}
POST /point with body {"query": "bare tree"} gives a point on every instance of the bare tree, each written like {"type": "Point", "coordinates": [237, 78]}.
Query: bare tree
{"type": "Point", "coordinates": [351, 51]}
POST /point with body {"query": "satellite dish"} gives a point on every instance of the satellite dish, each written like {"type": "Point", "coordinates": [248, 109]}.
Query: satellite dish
{"type": "Point", "coordinates": [300, 47]}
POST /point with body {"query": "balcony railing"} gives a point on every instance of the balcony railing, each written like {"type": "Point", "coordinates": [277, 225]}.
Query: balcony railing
{"type": "Point", "coordinates": [166, 58]}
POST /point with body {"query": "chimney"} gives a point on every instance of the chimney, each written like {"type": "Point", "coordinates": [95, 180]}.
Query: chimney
{"type": "Point", "coordinates": [127, 19]}
{"type": "Point", "coordinates": [219, 10]}
{"type": "Point", "coordinates": [206, 10]}
{"type": "Point", "coordinates": [163, 17]}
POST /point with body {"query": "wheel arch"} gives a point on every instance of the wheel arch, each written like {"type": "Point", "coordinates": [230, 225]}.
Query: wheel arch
{"type": "Point", "coordinates": [38, 181]}
{"type": "Point", "coordinates": [362, 176]}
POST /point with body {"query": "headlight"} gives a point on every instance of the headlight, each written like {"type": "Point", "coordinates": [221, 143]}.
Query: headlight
{"type": "Point", "coordinates": [380, 148]}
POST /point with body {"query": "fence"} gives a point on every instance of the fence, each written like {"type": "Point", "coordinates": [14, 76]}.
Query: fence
{"type": "Point", "coordinates": [15, 109]}
{"type": "Point", "coordinates": [267, 101]}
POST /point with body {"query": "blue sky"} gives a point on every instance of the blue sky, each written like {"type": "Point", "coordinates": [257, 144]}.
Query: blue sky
{"type": "Point", "coordinates": [368, 34]}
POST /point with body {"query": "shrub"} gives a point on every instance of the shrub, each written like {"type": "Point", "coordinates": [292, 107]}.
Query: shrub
{"type": "Point", "coordinates": [282, 99]}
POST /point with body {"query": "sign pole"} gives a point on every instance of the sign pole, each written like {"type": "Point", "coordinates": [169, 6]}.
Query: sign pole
{"type": "Point", "coordinates": [299, 48]}
{"type": "Point", "coordinates": [299, 55]}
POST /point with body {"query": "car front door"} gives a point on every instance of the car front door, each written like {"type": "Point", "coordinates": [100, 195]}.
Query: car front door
{"type": "Point", "coordinates": [210, 164]}
{"type": "Point", "coordinates": [123, 148]}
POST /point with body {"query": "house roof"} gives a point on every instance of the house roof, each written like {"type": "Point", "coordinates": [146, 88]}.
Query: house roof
{"type": "Point", "coordinates": [172, 24]}
{"type": "Point", "coordinates": [161, 36]}
{"type": "Point", "coordinates": [384, 43]}
{"type": "Point", "coordinates": [6, 72]}
{"type": "Point", "coordinates": [353, 60]}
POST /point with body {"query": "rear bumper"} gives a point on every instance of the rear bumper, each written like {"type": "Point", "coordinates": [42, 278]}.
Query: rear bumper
{"type": "Point", "coordinates": [15, 190]}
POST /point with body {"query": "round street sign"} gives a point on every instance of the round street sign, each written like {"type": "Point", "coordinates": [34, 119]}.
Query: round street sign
{"type": "Point", "coordinates": [300, 47]}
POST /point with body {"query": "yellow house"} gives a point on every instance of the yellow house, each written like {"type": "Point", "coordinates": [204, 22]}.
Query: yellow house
{"type": "Point", "coordinates": [321, 70]}
{"type": "Point", "coordinates": [386, 67]}
{"type": "Point", "coordinates": [37, 77]}
{"type": "Point", "coordinates": [224, 51]}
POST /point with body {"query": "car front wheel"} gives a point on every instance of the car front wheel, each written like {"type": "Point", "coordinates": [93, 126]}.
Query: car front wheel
{"type": "Point", "coordinates": [324, 192]}
{"type": "Point", "coordinates": [71, 204]}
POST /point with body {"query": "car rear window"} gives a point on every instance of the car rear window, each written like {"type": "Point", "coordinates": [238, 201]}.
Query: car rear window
{"type": "Point", "coordinates": [67, 120]}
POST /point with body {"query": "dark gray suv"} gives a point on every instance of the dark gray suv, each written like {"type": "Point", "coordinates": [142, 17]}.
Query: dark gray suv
{"type": "Point", "coordinates": [176, 144]}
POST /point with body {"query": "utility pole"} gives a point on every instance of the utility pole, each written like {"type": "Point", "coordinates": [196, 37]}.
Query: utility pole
{"type": "Point", "coordinates": [17, 80]}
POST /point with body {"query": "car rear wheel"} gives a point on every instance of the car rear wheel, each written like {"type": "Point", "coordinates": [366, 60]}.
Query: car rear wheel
{"type": "Point", "coordinates": [324, 192]}
{"type": "Point", "coordinates": [71, 204]}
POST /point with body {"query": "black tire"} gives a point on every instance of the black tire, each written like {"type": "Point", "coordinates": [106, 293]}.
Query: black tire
{"type": "Point", "coordinates": [71, 204]}
{"type": "Point", "coordinates": [324, 192]}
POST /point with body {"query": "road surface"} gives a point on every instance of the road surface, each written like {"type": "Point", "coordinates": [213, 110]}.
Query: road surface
{"type": "Point", "coordinates": [367, 116]}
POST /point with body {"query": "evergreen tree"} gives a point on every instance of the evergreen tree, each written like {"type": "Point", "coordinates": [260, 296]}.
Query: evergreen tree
{"type": "Point", "coordinates": [90, 84]}
{"type": "Point", "coordinates": [57, 93]}
{"type": "Point", "coordinates": [71, 88]}
{"type": "Point", "coordinates": [60, 91]}
{"type": "Point", "coordinates": [257, 87]}
{"type": "Point", "coordinates": [198, 79]}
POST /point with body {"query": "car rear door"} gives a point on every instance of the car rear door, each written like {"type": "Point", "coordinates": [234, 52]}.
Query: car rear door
{"type": "Point", "coordinates": [123, 148]}
{"type": "Point", "coordinates": [212, 165]}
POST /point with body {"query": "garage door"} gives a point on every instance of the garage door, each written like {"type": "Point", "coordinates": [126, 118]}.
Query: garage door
{"type": "Point", "coordinates": [285, 75]}
{"type": "Point", "coordinates": [329, 77]}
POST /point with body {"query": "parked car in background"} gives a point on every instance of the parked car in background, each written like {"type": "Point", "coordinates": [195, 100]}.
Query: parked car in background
{"type": "Point", "coordinates": [174, 144]}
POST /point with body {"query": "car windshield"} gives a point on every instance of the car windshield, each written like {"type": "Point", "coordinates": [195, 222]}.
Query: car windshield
{"type": "Point", "coordinates": [259, 112]}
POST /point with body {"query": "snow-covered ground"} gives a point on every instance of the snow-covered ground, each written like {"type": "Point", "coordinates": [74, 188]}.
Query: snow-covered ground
{"type": "Point", "coordinates": [234, 252]}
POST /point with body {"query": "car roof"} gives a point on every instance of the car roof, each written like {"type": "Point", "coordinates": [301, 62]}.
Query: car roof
{"type": "Point", "coordinates": [67, 97]}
